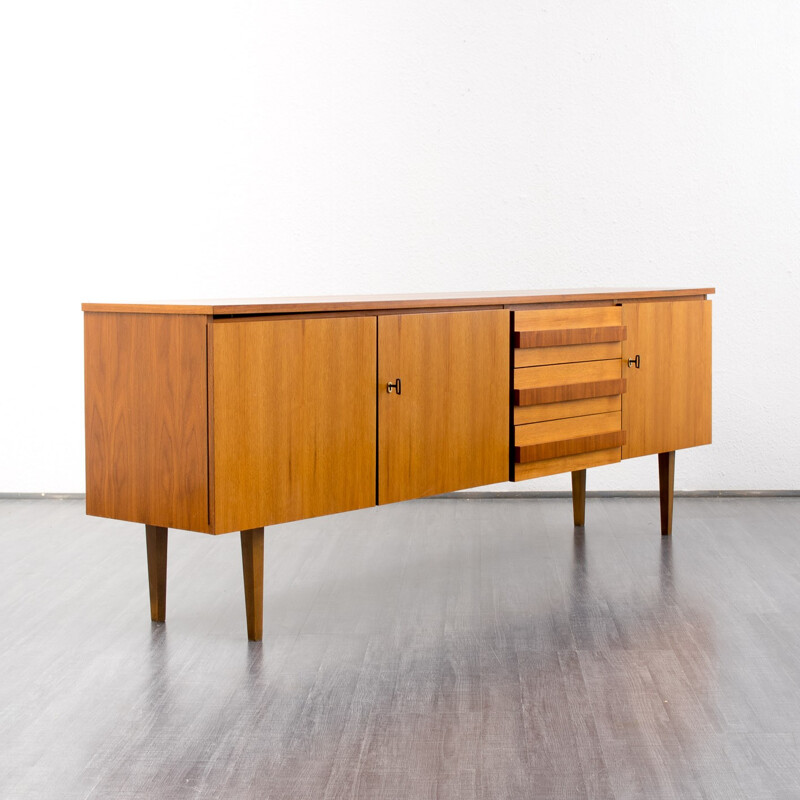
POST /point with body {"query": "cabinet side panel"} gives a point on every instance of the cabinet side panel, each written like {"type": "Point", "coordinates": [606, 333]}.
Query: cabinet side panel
{"type": "Point", "coordinates": [668, 402]}
{"type": "Point", "coordinates": [449, 427]}
{"type": "Point", "coordinates": [146, 418]}
{"type": "Point", "coordinates": [294, 419]}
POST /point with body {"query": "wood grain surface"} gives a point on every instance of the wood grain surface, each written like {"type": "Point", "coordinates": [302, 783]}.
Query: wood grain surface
{"type": "Point", "coordinates": [556, 430]}
{"type": "Point", "coordinates": [448, 429]}
{"type": "Point", "coordinates": [666, 489]}
{"type": "Point", "coordinates": [253, 574]}
{"type": "Point", "coordinates": [579, 497]}
{"type": "Point", "coordinates": [294, 419]}
{"type": "Point", "coordinates": [554, 322]}
{"type": "Point", "coordinates": [563, 354]}
{"type": "Point", "coordinates": [565, 374]}
{"type": "Point", "coordinates": [569, 392]}
{"type": "Point", "coordinates": [570, 408]}
{"type": "Point", "coordinates": [554, 466]}
{"type": "Point", "coordinates": [553, 319]}
{"type": "Point", "coordinates": [569, 336]}
{"type": "Point", "coordinates": [566, 387]}
{"type": "Point", "coordinates": [284, 305]}
{"type": "Point", "coordinates": [569, 447]}
{"type": "Point", "coordinates": [156, 542]}
{"type": "Point", "coordinates": [549, 454]}
{"type": "Point", "coordinates": [668, 402]}
{"type": "Point", "coordinates": [145, 405]}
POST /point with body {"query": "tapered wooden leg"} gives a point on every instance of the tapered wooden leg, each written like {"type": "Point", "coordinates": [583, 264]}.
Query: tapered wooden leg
{"type": "Point", "coordinates": [157, 571]}
{"type": "Point", "coordinates": [253, 568]}
{"type": "Point", "coordinates": [666, 484]}
{"type": "Point", "coordinates": [579, 497]}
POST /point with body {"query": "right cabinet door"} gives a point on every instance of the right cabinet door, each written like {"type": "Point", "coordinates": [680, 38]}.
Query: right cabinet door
{"type": "Point", "coordinates": [667, 405]}
{"type": "Point", "coordinates": [447, 427]}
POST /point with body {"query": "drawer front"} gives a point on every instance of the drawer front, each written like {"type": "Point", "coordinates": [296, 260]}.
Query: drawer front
{"type": "Point", "coordinates": [567, 390]}
{"type": "Point", "coordinates": [542, 448]}
{"type": "Point", "coordinates": [540, 441]}
{"type": "Point", "coordinates": [555, 466]}
{"type": "Point", "coordinates": [568, 416]}
{"type": "Point", "coordinates": [567, 335]}
{"type": "Point", "coordinates": [568, 408]}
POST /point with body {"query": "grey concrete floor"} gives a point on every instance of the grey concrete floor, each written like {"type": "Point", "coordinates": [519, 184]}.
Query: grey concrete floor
{"type": "Point", "coordinates": [434, 649]}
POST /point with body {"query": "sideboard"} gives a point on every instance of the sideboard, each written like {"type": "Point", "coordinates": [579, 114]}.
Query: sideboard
{"type": "Point", "coordinates": [232, 415]}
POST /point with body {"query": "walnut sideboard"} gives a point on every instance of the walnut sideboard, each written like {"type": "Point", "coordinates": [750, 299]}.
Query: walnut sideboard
{"type": "Point", "coordinates": [232, 415]}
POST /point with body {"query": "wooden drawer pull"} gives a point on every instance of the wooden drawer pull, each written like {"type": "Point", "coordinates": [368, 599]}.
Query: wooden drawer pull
{"type": "Point", "coordinates": [568, 391]}
{"type": "Point", "coordinates": [569, 447]}
{"type": "Point", "coordinates": [561, 336]}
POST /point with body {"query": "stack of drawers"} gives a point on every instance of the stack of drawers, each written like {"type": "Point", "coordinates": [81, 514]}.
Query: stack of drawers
{"type": "Point", "coordinates": [568, 389]}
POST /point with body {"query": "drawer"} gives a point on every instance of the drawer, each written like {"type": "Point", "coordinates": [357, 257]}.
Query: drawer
{"type": "Point", "coordinates": [567, 335]}
{"type": "Point", "coordinates": [545, 448]}
{"type": "Point", "coordinates": [567, 437]}
{"type": "Point", "coordinates": [567, 390]}
{"type": "Point", "coordinates": [555, 466]}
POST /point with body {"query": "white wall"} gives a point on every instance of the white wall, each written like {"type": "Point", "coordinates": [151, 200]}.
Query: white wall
{"type": "Point", "coordinates": [194, 149]}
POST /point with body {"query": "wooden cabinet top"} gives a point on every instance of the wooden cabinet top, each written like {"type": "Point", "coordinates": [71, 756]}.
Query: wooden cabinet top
{"type": "Point", "coordinates": [294, 305]}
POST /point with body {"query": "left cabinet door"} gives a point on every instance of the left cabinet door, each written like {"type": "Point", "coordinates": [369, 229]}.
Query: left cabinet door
{"type": "Point", "coordinates": [292, 419]}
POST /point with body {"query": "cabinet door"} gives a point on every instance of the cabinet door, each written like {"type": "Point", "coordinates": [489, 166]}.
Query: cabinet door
{"type": "Point", "coordinates": [293, 419]}
{"type": "Point", "coordinates": [668, 402]}
{"type": "Point", "coordinates": [448, 428]}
